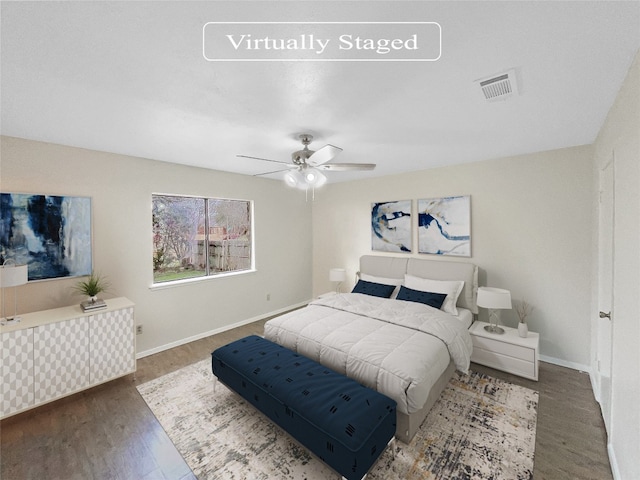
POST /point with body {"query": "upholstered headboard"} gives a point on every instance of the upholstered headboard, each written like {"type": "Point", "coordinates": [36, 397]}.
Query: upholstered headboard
{"type": "Point", "coordinates": [396, 267]}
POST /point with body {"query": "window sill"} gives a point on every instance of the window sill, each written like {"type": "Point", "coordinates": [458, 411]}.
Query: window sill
{"type": "Point", "coordinates": [189, 281]}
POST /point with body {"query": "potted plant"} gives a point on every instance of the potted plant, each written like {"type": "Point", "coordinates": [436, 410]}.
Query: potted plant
{"type": "Point", "coordinates": [523, 309]}
{"type": "Point", "coordinates": [92, 286]}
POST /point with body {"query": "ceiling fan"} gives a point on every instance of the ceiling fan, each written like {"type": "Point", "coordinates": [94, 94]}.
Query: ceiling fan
{"type": "Point", "coordinates": [306, 166]}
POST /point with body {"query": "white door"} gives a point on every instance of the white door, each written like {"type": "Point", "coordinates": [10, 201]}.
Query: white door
{"type": "Point", "coordinates": [605, 289]}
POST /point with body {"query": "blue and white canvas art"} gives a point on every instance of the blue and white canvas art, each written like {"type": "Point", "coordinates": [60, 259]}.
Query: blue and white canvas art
{"type": "Point", "coordinates": [444, 226]}
{"type": "Point", "coordinates": [51, 234]}
{"type": "Point", "coordinates": [391, 226]}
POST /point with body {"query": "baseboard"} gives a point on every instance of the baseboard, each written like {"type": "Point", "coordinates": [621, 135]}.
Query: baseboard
{"type": "Point", "coordinates": [594, 386]}
{"type": "Point", "coordinates": [564, 363]}
{"type": "Point", "coordinates": [614, 463]}
{"type": "Point", "coordinates": [193, 338]}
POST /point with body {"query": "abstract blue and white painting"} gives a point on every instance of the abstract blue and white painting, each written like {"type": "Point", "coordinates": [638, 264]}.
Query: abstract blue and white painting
{"type": "Point", "coordinates": [391, 226]}
{"type": "Point", "coordinates": [444, 226]}
{"type": "Point", "coordinates": [51, 234]}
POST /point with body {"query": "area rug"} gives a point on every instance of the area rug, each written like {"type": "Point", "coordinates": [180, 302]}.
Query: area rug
{"type": "Point", "coordinates": [481, 428]}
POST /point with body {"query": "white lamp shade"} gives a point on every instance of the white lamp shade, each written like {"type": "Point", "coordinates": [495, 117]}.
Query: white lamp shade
{"type": "Point", "coordinates": [337, 274]}
{"type": "Point", "coordinates": [314, 177]}
{"type": "Point", "coordinates": [294, 178]}
{"type": "Point", "coordinates": [13, 275]}
{"type": "Point", "coordinates": [496, 298]}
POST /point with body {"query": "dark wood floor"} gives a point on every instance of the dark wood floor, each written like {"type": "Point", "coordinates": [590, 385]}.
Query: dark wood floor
{"type": "Point", "coordinates": [108, 432]}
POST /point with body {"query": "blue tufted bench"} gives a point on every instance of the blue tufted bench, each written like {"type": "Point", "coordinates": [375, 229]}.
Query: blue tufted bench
{"type": "Point", "coordinates": [342, 422]}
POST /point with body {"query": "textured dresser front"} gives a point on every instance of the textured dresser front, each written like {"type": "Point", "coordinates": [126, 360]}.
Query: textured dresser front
{"type": "Point", "coordinates": [17, 371]}
{"type": "Point", "coordinates": [112, 350]}
{"type": "Point", "coordinates": [61, 358]}
{"type": "Point", "coordinates": [55, 353]}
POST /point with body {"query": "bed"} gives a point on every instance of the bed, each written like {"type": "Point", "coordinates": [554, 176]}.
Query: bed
{"type": "Point", "coordinates": [394, 343]}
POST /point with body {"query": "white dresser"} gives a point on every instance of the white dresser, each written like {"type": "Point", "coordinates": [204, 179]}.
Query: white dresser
{"type": "Point", "coordinates": [507, 352]}
{"type": "Point", "coordinates": [55, 353]}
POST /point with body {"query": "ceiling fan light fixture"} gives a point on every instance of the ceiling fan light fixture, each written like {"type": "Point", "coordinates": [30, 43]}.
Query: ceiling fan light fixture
{"type": "Point", "coordinates": [294, 178]}
{"type": "Point", "coordinates": [304, 170]}
{"type": "Point", "coordinates": [304, 178]}
{"type": "Point", "coordinates": [310, 177]}
{"type": "Point", "coordinates": [314, 177]}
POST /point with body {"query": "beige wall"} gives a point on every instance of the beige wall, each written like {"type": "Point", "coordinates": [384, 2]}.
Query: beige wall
{"type": "Point", "coordinates": [531, 233]}
{"type": "Point", "coordinates": [121, 188]}
{"type": "Point", "coordinates": [620, 138]}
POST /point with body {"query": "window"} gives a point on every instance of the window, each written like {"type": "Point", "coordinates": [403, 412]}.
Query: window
{"type": "Point", "coordinates": [198, 237]}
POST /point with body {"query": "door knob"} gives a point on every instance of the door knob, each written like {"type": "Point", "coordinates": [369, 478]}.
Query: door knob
{"type": "Point", "coordinates": [605, 315]}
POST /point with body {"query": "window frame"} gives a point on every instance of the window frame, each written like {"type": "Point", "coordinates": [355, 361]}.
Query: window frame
{"type": "Point", "coordinates": [208, 274]}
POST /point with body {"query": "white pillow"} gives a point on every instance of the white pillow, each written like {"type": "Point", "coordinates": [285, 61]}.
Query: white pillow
{"type": "Point", "coordinates": [451, 287]}
{"type": "Point", "coordinates": [384, 281]}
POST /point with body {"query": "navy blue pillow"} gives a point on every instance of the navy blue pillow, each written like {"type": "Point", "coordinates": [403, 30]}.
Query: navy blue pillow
{"type": "Point", "coordinates": [373, 289]}
{"type": "Point", "coordinates": [434, 300]}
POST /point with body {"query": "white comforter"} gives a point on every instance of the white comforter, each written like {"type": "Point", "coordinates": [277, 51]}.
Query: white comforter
{"type": "Point", "coordinates": [395, 347]}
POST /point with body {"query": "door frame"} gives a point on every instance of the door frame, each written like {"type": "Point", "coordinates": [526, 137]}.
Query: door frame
{"type": "Point", "coordinates": [603, 330]}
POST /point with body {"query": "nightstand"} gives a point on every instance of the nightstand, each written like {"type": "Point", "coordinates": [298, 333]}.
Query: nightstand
{"type": "Point", "coordinates": [507, 352]}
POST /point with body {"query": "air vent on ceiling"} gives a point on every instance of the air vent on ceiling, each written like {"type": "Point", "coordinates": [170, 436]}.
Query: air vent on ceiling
{"type": "Point", "coordinates": [500, 86]}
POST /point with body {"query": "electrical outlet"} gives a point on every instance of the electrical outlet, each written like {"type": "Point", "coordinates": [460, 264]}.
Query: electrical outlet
{"type": "Point", "coordinates": [268, 297]}
{"type": "Point", "coordinates": [138, 329]}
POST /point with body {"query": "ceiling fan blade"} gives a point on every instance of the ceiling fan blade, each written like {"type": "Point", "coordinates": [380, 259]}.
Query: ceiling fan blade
{"type": "Point", "coordinates": [264, 159]}
{"type": "Point", "coordinates": [275, 171]}
{"type": "Point", "coordinates": [323, 155]}
{"type": "Point", "coordinates": [344, 167]}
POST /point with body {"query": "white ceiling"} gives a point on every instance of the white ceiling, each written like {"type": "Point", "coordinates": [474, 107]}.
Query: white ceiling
{"type": "Point", "coordinates": [130, 78]}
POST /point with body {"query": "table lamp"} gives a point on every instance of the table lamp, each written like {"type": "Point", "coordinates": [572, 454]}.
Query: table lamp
{"type": "Point", "coordinates": [495, 299]}
{"type": "Point", "coordinates": [338, 275]}
{"type": "Point", "coordinates": [12, 276]}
